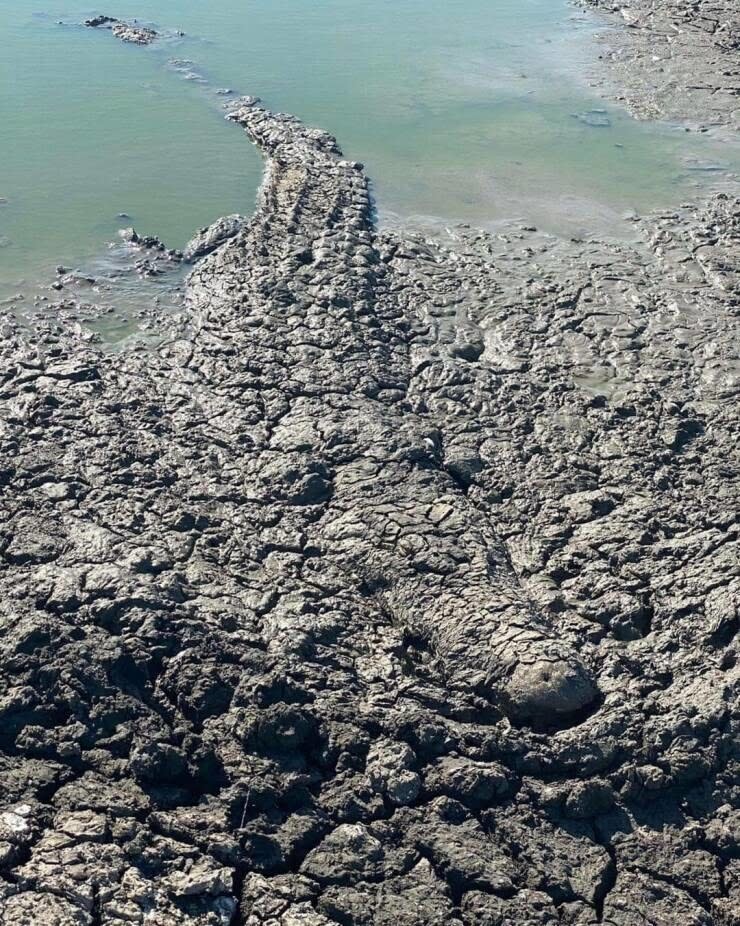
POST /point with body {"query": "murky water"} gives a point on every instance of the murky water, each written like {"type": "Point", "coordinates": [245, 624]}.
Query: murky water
{"type": "Point", "coordinates": [472, 112]}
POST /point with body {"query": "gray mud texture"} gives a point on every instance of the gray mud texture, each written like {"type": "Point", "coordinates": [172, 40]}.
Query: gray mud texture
{"type": "Point", "coordinates": [676, 59]}
{"type": "Point", "coordinates": [396, 588]}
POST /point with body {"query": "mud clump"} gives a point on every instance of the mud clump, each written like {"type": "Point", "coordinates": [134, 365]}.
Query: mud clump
{"type": "Point", "coordinates": [97, 21]}
{"type": "Point", "coordinates": [397, 585]}
{"type": "Point", "coordinates": [212, 237]}
{"type": "Point", "coordinates": [126, 32]}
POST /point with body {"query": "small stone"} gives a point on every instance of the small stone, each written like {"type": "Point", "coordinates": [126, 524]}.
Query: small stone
{"type": "Point", "coordinates": [389, 767]}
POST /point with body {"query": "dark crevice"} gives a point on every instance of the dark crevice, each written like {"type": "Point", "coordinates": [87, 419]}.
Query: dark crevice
{"type": "Point", "coordinates": [606, 884]}
{"type": "Point", "coordinates": [725, 632]}
{"type": "Point", "coordinates": [240, 877]}
{"type": "Point", "coordinates": [463, 484]}
{"type": "Point", "coordinates": [96, 911]}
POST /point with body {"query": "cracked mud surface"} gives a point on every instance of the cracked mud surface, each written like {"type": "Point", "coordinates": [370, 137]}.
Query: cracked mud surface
{"type": "Point", "coordinates": [677, 59]}
{"type": "Point", "coordinates": [399, 586]}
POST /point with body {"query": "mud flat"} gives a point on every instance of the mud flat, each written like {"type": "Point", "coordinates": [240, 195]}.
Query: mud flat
{"type": "Point", "coordinates": [676, 60]}
{"type": "Point", "coordinates": [399, 585]}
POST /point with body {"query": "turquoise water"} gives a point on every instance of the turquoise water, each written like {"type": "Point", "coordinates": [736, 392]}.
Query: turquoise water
{"type": "Point", "coordinates": [461, 111]}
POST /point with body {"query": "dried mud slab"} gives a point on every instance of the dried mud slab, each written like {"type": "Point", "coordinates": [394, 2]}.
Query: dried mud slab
{"type": "Point", "coordinates": [676, 59]}
{"type": "Point", "coordinates": [399, 586]}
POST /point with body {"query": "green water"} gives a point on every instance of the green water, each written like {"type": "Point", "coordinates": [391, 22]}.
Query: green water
{"type": "Point", "coordinates": [460, 110]}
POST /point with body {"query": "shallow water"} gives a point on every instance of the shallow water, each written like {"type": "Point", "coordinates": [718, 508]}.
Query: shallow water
{"type": "Point", "coordinates": [476, 112]}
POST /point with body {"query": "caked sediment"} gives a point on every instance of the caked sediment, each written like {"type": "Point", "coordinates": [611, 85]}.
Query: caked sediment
{"type": "Point", "coordinates": [336, 610]}
{"type": "Point", "coordinates": [676, 59]}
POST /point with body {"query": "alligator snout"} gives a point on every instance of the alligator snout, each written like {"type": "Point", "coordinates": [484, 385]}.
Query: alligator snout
{"type": "Point", "coordinates": [549, 687]}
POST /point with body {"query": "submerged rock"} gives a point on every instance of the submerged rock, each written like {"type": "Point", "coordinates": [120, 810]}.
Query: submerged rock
{"type": "Point", "coordinates": [126, 32]}
{"type": "Point", "coordinates": [187, 70]}
{"type": "Point", "coordinates": [139, 35]}
{"type": "Point", "coordinates": [596, 118]}
{"type": "Point", "coordinates": [97, 21]}
{"type": "Point", "coordinates": [148, 243]}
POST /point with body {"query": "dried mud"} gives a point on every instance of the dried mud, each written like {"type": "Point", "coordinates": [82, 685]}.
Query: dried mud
{"type": "Point", "coordinates": [398, 585]}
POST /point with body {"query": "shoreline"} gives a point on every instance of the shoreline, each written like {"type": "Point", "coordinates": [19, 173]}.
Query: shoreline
{"type": "Point", "coordinates": [394, 586]}
{"type": "Point", "coordinates": [673, 62]}
{"type": "Point", "coordinates": [498, 191]}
